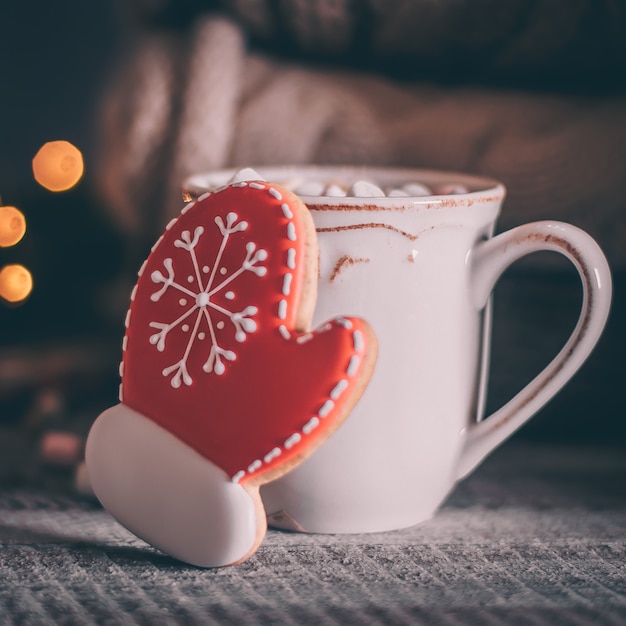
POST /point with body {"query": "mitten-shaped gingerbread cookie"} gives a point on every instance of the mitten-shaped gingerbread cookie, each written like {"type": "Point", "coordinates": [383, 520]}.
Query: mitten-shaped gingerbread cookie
{"type": "Point", "coordinates": [224, 388]}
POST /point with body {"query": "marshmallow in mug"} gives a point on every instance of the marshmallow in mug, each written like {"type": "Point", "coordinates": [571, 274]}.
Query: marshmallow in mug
{"type": "Point", "coordinates": [357, 189]}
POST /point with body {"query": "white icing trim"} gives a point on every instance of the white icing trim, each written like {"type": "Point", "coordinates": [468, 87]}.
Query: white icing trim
{"type": "Point", "coordinates": [238, 476]}
{"type": "Point", "coordinates": [357, 337]}
{"type": "Point", "coordinates": [187, 507]}
{"type": "Point", "coordinates": [353, 365]}
{"type": "Point", "coordinates": [326, 408]}
{"type": "Point", "coordinates": [254, 466]}
{"type": "Point", "coordinates": [272, 454]}
{"type": "Point", "coordinates": [311, 425]}
{"type": "Point", "coordinates": [282, 329]}
{"type": "Point", "coordinates": [339, 388]}
{"type": "Point", "coordinates": [342, 321]}
{"type": "Point", "coordinates": [282, 309]}
{"type": "Point", "coordinates": [304, 338]}
{"type": "Point", "coordinates": [156, 245]}
{"type": "Point", "coordinates": [287, 284]}
{"type": "Point", "coordinates": [190, 204]}
{"type": "Point", "coordinates": [292, 440]}
{"type": "Point", "coordinates": [291, 258]}
{"type": "Point", "coordinates": [287, 211]}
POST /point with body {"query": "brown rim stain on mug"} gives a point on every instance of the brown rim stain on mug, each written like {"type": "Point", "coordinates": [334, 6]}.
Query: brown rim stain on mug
{"type": "Point", "coordinates": [344, 262]}
{"type": "Point", "coordinates": [336, 229]}
{"type": "Point", "coordinates": [428, 202]}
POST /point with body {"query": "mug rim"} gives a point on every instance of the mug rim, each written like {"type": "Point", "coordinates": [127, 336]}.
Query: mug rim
{"type": "Point", "coordinates": [482, 189]}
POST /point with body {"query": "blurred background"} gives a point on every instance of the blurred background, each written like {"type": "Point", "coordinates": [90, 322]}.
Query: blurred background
{"type": "Point", "coordinates": [151, 91]}
{"type": "Point", "coordinates": [53, 69]}
{"type": "Point", "coordinates": [56, 345]}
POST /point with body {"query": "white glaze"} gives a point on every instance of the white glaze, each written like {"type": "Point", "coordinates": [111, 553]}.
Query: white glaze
{"type": "Point", "coordinates": [166, 493]}
{"type": "Point", "coordinates": [340, 387]}
{"type": "Point", "coordinates": [292, 440]}
{"type": "Point", "coordinates": [272, 454]}
{"type": "Point", "coordinates": [326, 408]}
{"type": "Point", "coordinates": [419, 427]}
{"type": "Point", "coordinates": [201, 305]}
{"type": "Point", "coordinates": [311, 425]}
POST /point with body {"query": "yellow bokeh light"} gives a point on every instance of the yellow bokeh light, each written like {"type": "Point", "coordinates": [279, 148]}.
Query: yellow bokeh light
{"type": "Point", "coordinates": [12, 226]}
{"type": "Point", "coordinates": [16, 283]}
{"type": "Point", "coordinates": [58, 165]}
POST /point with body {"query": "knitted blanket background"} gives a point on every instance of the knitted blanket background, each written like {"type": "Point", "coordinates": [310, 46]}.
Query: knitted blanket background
{"type": "Point", "coordinates": [245, 86]}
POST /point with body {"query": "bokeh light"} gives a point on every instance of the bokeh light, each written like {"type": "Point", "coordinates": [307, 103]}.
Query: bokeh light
{"type": "Point", "coordinates": [58, 165]}
{"type": "Point", "coordinates": [12, 226]}
{"type": "Point", "coordinates": [16, 283]}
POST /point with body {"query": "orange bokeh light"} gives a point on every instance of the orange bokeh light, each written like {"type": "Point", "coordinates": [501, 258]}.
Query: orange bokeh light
{"type": "Point", "coordinates": [16, 283]}
{"type": "Point", "coordinates": [12, 226]}
{"type": "Point", "coordinates": [58, 165]}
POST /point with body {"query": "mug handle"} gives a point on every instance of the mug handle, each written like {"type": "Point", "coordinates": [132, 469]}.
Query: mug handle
{"type": "Point", "coordinates": [487, 263]}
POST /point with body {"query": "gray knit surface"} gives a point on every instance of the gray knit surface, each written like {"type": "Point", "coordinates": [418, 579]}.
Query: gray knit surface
{"type": "Point", "coordinates": [536, 536]}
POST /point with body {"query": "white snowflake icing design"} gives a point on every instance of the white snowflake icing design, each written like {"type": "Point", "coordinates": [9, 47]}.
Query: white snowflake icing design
{"type": "Point", "coordinates": [199, 298]}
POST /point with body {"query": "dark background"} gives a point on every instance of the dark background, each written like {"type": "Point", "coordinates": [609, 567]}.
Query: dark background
{"type": "Point", "coordinates": [55, 62]}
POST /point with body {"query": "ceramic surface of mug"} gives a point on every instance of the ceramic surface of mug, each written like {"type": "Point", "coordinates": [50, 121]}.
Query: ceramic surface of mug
{"type": "Point", "coordinates": [420, 269]}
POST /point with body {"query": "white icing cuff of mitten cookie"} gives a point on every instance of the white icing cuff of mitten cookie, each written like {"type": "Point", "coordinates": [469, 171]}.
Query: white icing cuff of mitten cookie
{"type": "Point", "coordinates": [168, 494]}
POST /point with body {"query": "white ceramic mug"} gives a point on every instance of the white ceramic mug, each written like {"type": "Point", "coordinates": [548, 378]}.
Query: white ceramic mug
{"type": "Point", "coordinates": [420, 270]}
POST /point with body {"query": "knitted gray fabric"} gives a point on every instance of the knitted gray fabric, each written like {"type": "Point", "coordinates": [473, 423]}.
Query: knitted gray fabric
{"type": "Point", "coordinates": [199, 100]}
{"type": "Point", "coordinates": [535, 537]}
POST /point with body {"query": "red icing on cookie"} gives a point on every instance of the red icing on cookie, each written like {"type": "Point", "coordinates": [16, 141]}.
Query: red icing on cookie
{"type": "Point", "coordinates": [211, 351]}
